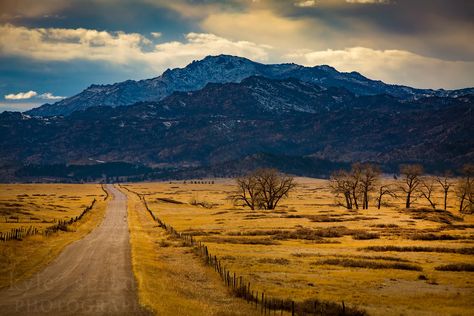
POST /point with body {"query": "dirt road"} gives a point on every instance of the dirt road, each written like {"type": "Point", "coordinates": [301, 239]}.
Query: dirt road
{"type": "Point", "coordinates": [92, 276]}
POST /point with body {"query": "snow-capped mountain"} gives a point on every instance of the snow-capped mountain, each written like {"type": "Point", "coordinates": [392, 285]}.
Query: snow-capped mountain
{"type": "Point", "coordinates": [225, 69]}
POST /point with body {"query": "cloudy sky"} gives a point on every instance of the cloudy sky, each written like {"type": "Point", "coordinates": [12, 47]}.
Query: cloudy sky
{"type": "Point", "coordinates": [51, 49]}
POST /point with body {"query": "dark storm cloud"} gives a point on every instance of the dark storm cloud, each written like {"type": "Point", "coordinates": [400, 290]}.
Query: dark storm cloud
{"type": "Point", "coordinates": [399, 41]}
{"type": "Point", "coordinates": [436, 28]}
{"type": "Point", "coordinates": [127, 16]}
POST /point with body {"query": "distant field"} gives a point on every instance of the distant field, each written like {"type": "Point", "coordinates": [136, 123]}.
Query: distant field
{"type": "Point", "coordinates": [388, 261]}
{"type": "Point", "coordinates": [42, 206]}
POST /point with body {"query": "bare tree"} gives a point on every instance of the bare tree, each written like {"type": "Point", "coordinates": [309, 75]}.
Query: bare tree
{"type": "Point", "coordinates": [465, 190]}
{"type": "Point", "coordinates": [247, 191]}
{"type": "Point", "coordinates": [341, 185]}
{"type": "Point", "coordinates": [464, 194]}
{"type": "Point", "coordinates": [353, 185]}
{"type": "Point", "coordinates": [446, 184]}
{"type": "Point", "coordinates": [427, 188]}
{"type": "Point", "coordinates": [263, 189]}
{"type": "Point", "coordinates": [411, 181]}
{"type": "Point", "coordinates": [369, 176]}
{"type": "Point", "coordinates": [355, 175]}
{"type": "Point", "coordinates": [385, 189]}
{"type": "Point", "coordinates": [272, 187]}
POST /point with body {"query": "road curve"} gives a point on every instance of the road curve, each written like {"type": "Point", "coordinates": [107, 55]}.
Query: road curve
{"type": "Point", "coordinates": [92, 276]}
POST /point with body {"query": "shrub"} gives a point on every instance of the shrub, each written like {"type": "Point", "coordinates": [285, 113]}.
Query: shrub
{"type": "Point", "coordinates": [201, 232]}
{"type": "Point", "coordinates": [281, 261]}
{"type": "Point", "coordinates": [435, 237]}
{"type": "Point", "coordinates": [168, 200]}
{"type": "Point", "coordinates": [351, 263]}
{"type": "Point", "coordinates": [204, 204]}
{"type": "Point", "coordinates": [464, 251]}
{"type": "Point", "coordinates": [300, 233]}
{"type": "Point", "coordinates": [385, 226]}
{"type": "Point", "coordinates": [246, 241]}
{"type": "Point", "coordinates": [365, 236]}
{"type": "Point", "coordinates": [456, 267]}
{"type": "Point", "coordinates": [422, 277]}
{"type": "Point", "coordinates": [257, 232]}
{"type": "Point", "coordinates": [163, 243]}
{"type": "Point", "coordinates": [324, 218]}
{"type": "Point", "coordinates": [438, 216]}
{"type": "Point", "coordinates": [386, 258]}
{"type": "Point", "coordinates": [314, 306]}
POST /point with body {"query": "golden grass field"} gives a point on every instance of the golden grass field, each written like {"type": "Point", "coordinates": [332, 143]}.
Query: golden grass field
{"type": "Point", "coordinates": [311, 248]}
{"type": "Point", "coordinates": [171, 279]}
{"type": "Point", "coordinates": [40, 206]}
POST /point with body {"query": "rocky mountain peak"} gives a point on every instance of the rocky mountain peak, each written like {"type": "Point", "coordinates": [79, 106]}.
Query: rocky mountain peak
{"type": "Point", "coordinates": [224, 69]}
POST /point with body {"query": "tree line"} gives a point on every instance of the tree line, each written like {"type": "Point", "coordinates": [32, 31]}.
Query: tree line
{"type": "Point", "coordinates": [354, 188]}
{"type": "Point", "coordinates": [361, 186]}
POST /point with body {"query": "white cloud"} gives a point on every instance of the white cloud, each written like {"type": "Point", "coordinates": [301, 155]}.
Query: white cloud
{"type": "Point", "coordinates": [58, 44]}
{"type": "Point", "coordinates": [150, 56]}
{"type": "Point", "coordinates": [199, 45]}
{"type": "Point", "coordinates": [69, 44]}
{"type": "Point", "coordinates": [32, 94]}
{"type": "Point", "coordinates": [392, 66]}
{"type": "Point", "coordinates": [156, 34]}
{"type": "Point", "coordinates": [21, 95]}
{"type": "Point", "coordinates": [306, 3]}
{"type": "Point", "coordinates": [50, 96]}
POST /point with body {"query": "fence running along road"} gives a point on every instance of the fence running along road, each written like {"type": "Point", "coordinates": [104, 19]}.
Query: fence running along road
{"type": "Point", "coordinates": [243, 289]}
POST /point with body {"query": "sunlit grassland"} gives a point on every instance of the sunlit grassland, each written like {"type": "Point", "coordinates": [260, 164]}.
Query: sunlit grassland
{"type": "Point", "coordinates": [40, 206]}
{"type": "Point", "coordinates": [171, 279]}
{"type": "Point", "coordinates": [311, 248]}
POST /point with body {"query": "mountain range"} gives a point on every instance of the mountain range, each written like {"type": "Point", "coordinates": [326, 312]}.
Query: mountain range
{"type": "Point", "coordinates": [225, 115]}
{"type": "Point", "coordinates": [226, 69]}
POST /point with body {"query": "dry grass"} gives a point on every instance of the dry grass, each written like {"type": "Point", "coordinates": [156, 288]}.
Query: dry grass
{"type": "Point", "coordinates": [457, 267]}
{"type": "Point", "coordinates": [307, 228]}
{"type": "Point", "coordinates": [317, 307]}
{"type": "Point", "coordinates": [283, 261]}
{"type": "Point", "coordinates": [366, 264]}
{"type": "Point", "coordinates": [438, 216]}
{"type": "Point", "coordinates": [385, 225]}
{"type": "Point", "coordinates": [171, 279]}
{"type": "Point", "coordinates": [324, 235]}
{"type": "Point", "coordinates": [365, 236]}
{"type": "Point", "coordinates": [41, 205]}
{"type": "Point", "coordinates": [47, 202]}
{"type": "Point", "coordinates": [464, 251]}
{"type": "Point", "coordinates": [168, 200]}
{"type": "Point", "coordinates": [386, 258]}
{"type": "Point", "coordinates": [241, 240]}
{"type": "Point", "coordinates": [431, 236]}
